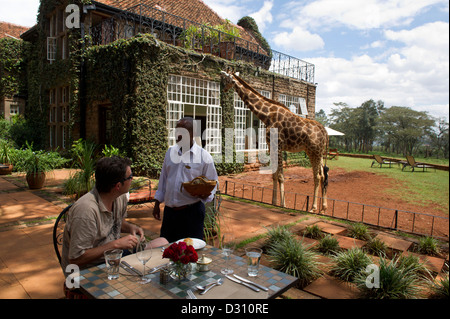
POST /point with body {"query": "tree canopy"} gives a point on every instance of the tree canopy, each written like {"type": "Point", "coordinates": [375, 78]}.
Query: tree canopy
{"type": "Point", "coordinates": [396, 129]}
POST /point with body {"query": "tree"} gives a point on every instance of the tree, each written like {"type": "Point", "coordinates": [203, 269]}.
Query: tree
{"type": "Point", "coordinates": [439, 138]}
{"type": "Point", "coordinates": [403, 128]}
{"type": "Point", "coordinates": [321, 117]}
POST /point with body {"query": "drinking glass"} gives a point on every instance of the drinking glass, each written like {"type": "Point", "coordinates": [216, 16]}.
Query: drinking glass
{"type": "Point", "coordinates": [254, 256]}
{"type": "Point", "coordinates": [228, 245]}
{"type": "Point", "coordinates": [112, 260]}
{"type": "Point", "coordinates": [143, 254]}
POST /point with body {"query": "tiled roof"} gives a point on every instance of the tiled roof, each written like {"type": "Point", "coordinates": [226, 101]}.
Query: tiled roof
{"type": "Point", "coordinates": [10, 29]}
{"type": "Point", "coordinates": [194, 10]}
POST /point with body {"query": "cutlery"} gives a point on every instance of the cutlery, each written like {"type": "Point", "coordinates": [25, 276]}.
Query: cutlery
{"type": "Point", "coordinates": [243, 283]}
{"type": "Point", "coordinates": [128, 269]}
{"type": "Point", "coordinates": [155, 269]}
{"type": "Point", "coordinates": [251, 282]}
{"type": "Point", "coordinates": [207, 285]}
{"type": "Point", "coordinates": [217, 283]}
{"type": "Point", "coordinates": [191, 294]}
{"type": "Point", "coordinates": [137, 272]}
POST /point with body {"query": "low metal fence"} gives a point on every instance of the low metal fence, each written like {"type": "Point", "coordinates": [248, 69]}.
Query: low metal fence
{"type": "Point", "coordinates": [388, 218]}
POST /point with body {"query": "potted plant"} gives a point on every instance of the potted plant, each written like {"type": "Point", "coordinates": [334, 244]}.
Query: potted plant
{"type": "Point", "coordinates": [192, 38]}
{"type": "Point", "coordinates": [228, 34]}
{"type": "Point", "coordinates": [36, 163]}
{"type": "Point", "coordinates": [6, 161]}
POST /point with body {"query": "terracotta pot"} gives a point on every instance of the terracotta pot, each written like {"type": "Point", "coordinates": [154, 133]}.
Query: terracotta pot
{"type": "Point", "coordinates": [36, 180]}
{"type": "Point", "coordinates": [6, 169]}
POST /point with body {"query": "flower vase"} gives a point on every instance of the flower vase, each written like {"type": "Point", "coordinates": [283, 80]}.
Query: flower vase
{"type": "Point", "coordinates": [180, 271]}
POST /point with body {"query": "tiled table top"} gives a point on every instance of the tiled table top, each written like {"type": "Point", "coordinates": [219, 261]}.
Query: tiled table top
{"type": "Point", "coordinates": [94, 281]}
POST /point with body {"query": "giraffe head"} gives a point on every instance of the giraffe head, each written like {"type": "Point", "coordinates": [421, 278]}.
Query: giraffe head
{"type": "Point", "coordinates": [229, 79]}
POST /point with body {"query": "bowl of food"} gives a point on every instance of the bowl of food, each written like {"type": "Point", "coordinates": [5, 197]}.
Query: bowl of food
{"type": "Point", "coordinates": [199, 186]}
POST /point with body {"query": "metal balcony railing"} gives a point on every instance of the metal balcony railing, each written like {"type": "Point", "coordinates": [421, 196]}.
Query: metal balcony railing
{"type": "Point", "coordinates": [203, 38]}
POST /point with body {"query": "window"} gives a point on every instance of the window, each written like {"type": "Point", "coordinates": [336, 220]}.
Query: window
{"type": "Point", "coordinates": [295, 104]}
{"type": "Point", "coordinates": [51, 49]}
{"type": "Point", "coordinates": [250, 132]}
{"type": "Point", "coordinates": [199, 99]}
{"type": "Point", "coordinates": [14, 109]}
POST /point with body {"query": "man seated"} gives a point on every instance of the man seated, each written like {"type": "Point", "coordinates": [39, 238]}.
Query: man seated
{"type": "Point", "coordinates": [96, 220]}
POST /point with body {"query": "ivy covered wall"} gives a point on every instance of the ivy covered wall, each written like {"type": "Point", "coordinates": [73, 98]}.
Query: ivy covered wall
{"type": "Point", "coordinates": [131, 77]}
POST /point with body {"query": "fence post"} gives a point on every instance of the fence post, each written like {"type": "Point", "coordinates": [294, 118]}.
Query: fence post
{"type": "Point", "coordinates": [396, 219]}
{"type": "Point", "coordinates": [307, 203]}
{"type": "Point", "coordinates": [226, 187]}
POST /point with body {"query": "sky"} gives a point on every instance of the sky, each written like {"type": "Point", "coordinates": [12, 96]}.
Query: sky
{"type": "Point", "coordinates": [396, 51]}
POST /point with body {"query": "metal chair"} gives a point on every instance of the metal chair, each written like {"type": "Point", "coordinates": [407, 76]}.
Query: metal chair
{"type": "Point", "coordinates": [411, 162]}
{"type": "Point", "coordinates": [58, 232]}
{"type": "Point", "coordinates": [380, 161]}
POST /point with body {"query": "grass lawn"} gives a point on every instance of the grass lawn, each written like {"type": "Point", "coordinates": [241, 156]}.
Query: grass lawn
{"type": "Point", "coordinates": [423, 188]}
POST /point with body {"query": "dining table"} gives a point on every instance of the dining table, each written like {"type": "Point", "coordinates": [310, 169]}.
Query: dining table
{"type": "Point", "coordinates": [95, 284]}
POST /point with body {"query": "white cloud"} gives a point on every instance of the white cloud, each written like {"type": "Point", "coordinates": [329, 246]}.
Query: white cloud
{"type": "Point", "coordinates": [298, 40]}
{"type": "Point", "coordinates": [355, 14]}
{"type": "Point", "coordinates": [263, 16]}
{"type": "Point", "coordinates": [21, 12]}
{"type": "Point", "coordinates": [415, 75]}
{"type": "Point", "coordinates": [226, 9]}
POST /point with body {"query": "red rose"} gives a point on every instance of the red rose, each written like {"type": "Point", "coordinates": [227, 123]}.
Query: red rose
{"type": "Point", "coordinates": [181, 252]}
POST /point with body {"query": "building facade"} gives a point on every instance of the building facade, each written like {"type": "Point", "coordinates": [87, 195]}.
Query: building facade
{"type": "Point", "coordinates": [132, 70]}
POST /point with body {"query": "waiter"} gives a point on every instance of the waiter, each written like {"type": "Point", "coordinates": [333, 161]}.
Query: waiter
{"type": "Point", "coordinates": [184, 214]}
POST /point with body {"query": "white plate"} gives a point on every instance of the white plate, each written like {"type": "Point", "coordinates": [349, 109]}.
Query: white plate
{"type": "Point", "coordinates": [198, 243]}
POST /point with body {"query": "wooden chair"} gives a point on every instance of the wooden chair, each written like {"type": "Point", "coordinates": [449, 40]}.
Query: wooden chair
{"type": "Point", "coordinates": [380, 161]}
{"type": "Point", "coordinates": [141, 197]}
{"type": "Point", "coordinates": [411, 162]}
{"type": "Point", "coordinates": [333, 153]}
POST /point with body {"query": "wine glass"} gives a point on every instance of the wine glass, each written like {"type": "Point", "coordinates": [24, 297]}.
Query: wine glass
{"type": "Point", "coordinates": [143, 254]}
{"type": "Point", "coordinates": [227, 244]}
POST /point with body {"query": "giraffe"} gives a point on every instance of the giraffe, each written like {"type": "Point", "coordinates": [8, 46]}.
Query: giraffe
{"type": "Point", "coordinates": [295, 134]}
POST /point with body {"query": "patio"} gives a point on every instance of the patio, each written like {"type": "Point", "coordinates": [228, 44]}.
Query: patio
{"type": "Point", "coordinates": [29, 268]}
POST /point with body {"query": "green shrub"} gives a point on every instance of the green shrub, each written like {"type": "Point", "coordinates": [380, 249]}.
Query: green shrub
{"type": "Point", "coordinates": [350, 263]}
{"type": "Point", "coordinates": [359, 231]}
{"type": "Point", "coordinates": [277, 234]}
{"type": "Point", "coordinates": [413, 263]}
{"type": "Point", "coordinates": [376, 247]}
{"type": "Point", "coordinates": [428, 246]}
{"type": "Point", "coordinates": [328, 245]}
{"type": "Point", "coordinates": [439, 287]}
{"type": "Point", "coordinates": [395, 282]}
{"type": "Point", "coordinates": [291, 257]}
{"type": "Point", "coordinates": [29, 161]}
{"type": "Point", "coordinates": [314, 232]}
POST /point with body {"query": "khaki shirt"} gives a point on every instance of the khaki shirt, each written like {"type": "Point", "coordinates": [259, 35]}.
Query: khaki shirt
{"type": "Point", "coordinates": [89, 224]}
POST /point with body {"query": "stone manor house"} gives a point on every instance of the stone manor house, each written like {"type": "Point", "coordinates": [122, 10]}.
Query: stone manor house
{"type": "Point", "coordinates": [126, 71]}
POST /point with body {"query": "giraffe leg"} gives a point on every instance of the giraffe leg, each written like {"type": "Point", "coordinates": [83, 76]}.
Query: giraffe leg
{"type": "Point", "coordinates": [275, 188]}
{"type": "Point", "coordinates": [278, 180]}
{"type": "Point", "coordinates": [324, 188]}
{"type": "Point", "coordinates": [281, 178]}
{"type": "Point", "coordinates": [317, 170]}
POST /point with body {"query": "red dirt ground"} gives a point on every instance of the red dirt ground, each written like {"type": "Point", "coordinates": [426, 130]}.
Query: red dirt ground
{"type": "Point", "coordinates": [356, 187]}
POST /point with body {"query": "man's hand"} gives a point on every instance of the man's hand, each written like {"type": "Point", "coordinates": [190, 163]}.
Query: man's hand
{"type": "Point", "coordinates": [127, 242]}
{"type": "Point", "coordinates": [157, 211]}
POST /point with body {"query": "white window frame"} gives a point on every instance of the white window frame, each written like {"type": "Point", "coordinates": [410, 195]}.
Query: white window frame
{"type": "Point", "coordinates": [51, 48]}
{"type": "Point", "coordinates": [241, 112]}
{"type": "Point", "coordinates": [295, 104]}
{"type": "Point", "coordinates": [183, 91]}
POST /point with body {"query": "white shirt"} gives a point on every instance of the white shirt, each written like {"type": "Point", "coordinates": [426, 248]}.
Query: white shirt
{"type": "Point", "coordinates": [179, 168]}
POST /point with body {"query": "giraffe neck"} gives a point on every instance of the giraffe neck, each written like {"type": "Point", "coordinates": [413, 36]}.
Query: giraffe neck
{"type": "Point", "coordinates": [254, 101]}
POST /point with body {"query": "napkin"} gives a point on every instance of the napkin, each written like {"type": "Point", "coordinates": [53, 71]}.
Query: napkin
{"type": "Point", "coordinates": [155, 261]}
